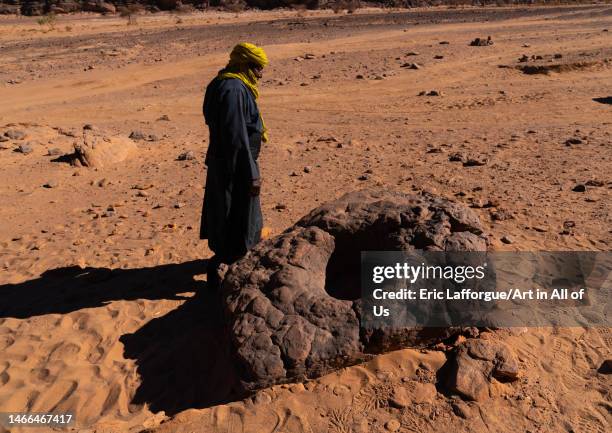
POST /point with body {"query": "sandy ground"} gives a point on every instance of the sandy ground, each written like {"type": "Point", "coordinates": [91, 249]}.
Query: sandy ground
{"type": "Point", "coordinates": [99, 269]}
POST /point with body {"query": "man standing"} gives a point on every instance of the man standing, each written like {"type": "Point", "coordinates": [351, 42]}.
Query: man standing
{"type": "Point", "coordinates": [231, 215]}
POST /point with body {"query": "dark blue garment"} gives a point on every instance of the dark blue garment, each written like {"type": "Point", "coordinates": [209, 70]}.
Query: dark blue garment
{"type": "Point", "coordinates": [231, 216]}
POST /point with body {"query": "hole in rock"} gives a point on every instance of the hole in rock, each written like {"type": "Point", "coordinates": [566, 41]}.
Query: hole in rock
{"type": "Point", "coordinates": [343, 272]}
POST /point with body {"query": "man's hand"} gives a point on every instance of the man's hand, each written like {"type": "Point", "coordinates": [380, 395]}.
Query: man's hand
{"type": "Point", "coordinates": [255, 187]}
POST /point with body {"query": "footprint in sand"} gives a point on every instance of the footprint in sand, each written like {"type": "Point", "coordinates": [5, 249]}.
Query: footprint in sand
{"type": "Point", "coordinates": [340, 421]}
{"type": "Point", "coordinates": [291, 422]}
{"type": "Point", "coordinates": [589, 424]}
{"type": "Point", "coordinates": [606, 336]}
{"type": "Point", "coordinates": [373, 397]}
{"type": "Point", "coordinates": [228, 419]}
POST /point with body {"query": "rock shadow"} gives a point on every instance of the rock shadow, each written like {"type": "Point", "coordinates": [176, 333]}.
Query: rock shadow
{"type": "Point", "coordinates": [184, 358]}
{"type": "Point", "coordinates": [604, 100]}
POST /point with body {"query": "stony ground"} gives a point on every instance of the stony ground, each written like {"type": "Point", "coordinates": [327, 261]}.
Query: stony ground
{"type": "Point", "coordinates": [530, 153]}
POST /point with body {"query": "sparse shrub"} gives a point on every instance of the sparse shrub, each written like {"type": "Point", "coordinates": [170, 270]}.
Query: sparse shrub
{"type": "Point", "coordinates": [130, 12]}
{"type": "Point", "coordinates": [47, 20]}
{"type": "Point", "coordinates": [233, 5]}
{"type": "Point", "coordinates": [349, 5]}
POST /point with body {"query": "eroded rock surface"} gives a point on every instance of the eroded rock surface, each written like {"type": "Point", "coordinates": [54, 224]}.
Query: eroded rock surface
{"type": "Point", "coordinates": [292, 303]}
{"type": "Point", "coordinates": [98, 149]}
{"type": "Point", "coordinates": [476, 363]}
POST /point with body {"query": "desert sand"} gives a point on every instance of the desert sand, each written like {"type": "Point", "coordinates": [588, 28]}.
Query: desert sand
{"type": "Point", "coordinates": [104, 307]}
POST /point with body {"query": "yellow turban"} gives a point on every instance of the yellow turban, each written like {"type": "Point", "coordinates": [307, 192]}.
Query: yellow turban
{"type": "Point", "coordinates": [241, 57]}
{"type": "Point", "coordinates": [246, 53]}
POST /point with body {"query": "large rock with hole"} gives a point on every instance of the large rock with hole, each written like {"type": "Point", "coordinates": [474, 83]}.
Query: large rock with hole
{"type": "Point", "coordinates": [98, 149]}
{"type": "Point", "coordinates": [292, 303]}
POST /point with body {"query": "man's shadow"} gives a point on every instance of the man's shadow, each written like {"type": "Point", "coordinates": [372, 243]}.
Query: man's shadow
{"type": "Point", "coordinates": [183, 358]}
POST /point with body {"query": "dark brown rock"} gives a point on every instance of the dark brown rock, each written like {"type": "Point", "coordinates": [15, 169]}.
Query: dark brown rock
{"type": "Point", "coordinates": [475, 363]}
{"type": "Point", "coordinates": [292, 303]}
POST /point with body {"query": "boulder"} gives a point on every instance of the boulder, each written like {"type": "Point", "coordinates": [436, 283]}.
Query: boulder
{"type": "Point", "coordinates": [9, 9]}
{"type": "Point", "coordinates": [476, 363]}
{"type": "Point", "coordinates": [100, 150]}
{"type": "Point", "coordinates": [292, 303]}
{"type": "Point", "coordinates": [99, 6]}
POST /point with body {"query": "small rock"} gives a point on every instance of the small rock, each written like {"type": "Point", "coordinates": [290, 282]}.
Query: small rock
{"type": "Point", "coordinates": [3, 138]}
{"type": "Point", "coordinates": [558, 56]}
{"type": "Point", "coordinates": [307, 169]}
{"type": "Point", "coordinates": [481, 42]}
{"type": "Point", "coordinates": [392, 425]}
{"type": "Point", "coordinates": [142, 194]}
{"type": "Point", "coordinates": [456, 157]}
{"type": "Point", "coordinates": [280, 206]}
{"type": "Point", "coordinates": [507, 239]}
{"type": "Point", "coordinates": [179, 205]}
{"type": "Point", "coordinates": [24, 148]}
{"type": "Point", "coordinates": [461, 409]}
{"type": "Point", "coordinates": [444, 43]}
{"type": "Point", "coordinates": [309, 56]}
{"type": "Point", "coordinates": [475, 162]}
{"type": "Point", "coordinates": [262, 398]}
{"type": "Point", "coordinates": [571, 141]}
{"type": "Point", "coordinates": [474, 364]}
{"type": "Point", "coordinates": [363, 177]}
{"type": "Point", "coordinates": [400, 398]}
{"type": "Point", "coordinates": [164, 118]}
{"type": "Point", "coordinates": [569, 224]}
{"type": "Point", "coordinates": [413, 53]}
{"type": "Point", "coordinates": [186, 156]}
{"type": "Point", "coordinates": [501, 215]}
{"type": "Point", "coordinates": [293, 174]}
{"type": "Point", "coordinates": [54, 152]}
{"type": "Point", "coordinates": [51, 184]}
{"type": "Point", "coordinates": [594, 182]}
{"type": "Point", "coordinates": [410, 66]}
{"type": "Point", "coordinates": [15, 134]}
{"type": "Point", "coordinates": [359, 76]}
{"type": "Point", "coordinates": [102, 183]}
{"type": "Point", "coordinates": [438, 57]}
{"type": "Point", "coordinates": [579, 188]}
{"type": "Point", "coordinates": [137, 135]}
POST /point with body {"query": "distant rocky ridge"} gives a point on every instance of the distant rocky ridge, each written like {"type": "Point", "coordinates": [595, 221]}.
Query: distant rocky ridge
{"type": "Point", "coordinates": [42, 7]}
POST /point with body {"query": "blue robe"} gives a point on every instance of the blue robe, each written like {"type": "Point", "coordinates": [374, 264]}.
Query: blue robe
{"type": "Point", "coordinates": [231, 216]}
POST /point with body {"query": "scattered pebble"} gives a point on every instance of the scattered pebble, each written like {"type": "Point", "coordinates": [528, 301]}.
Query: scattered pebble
{"type": "Point", "coordinates": [186, 156]}
{"type": "Point", "coordinates": [392, 425]}
{"type": "Point", "coordinates": [15, 134]}
{"type": "Point", "coordinates": [571, 141]}
{"type": "Point", "coordinates": [24, 148]}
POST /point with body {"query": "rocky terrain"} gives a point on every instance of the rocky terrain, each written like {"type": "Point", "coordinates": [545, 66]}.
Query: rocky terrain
{"type": "Point", "coordinates": [105, 310]}
{"type": "Point", "coordinates": [42, 7]}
